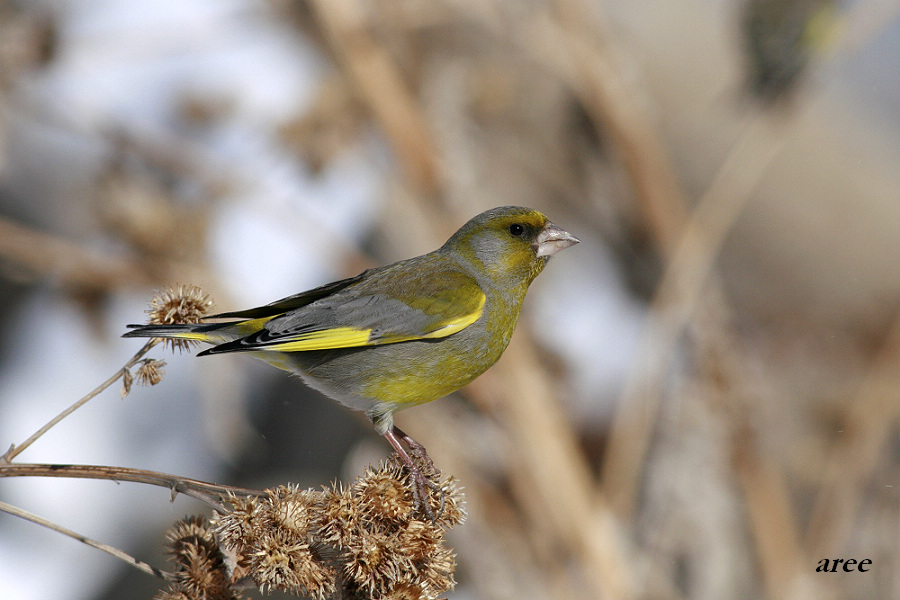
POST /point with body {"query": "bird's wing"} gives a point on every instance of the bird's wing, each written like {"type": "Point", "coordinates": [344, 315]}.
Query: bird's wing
{"type": "Point", "coordinates": [393, 305]}
{"type": "Point", "coordinates": [292, 302]}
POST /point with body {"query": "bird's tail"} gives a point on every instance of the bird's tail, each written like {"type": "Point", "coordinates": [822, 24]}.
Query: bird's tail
{"type": "Point", "coordinates": [212, 333]}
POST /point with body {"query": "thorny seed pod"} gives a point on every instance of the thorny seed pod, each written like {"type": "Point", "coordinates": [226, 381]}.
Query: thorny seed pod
{"type": "Point", "coordinates": [182, 304]}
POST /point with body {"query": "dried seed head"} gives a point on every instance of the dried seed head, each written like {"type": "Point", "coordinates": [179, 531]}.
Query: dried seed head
{"type": "Point", "coordinates": [383, 494]}
{"type": "Point", "coordinates": [436, 573]}
{"type": "Point", "coordinates": [419, 539]}
{"type": "Point", "coordinates": [368, 539]}
{"type": "Point", "coordinates": [270, 535]}
{"type": "Point", "coordinates": [372, 563]}
{"type": "Point", "coordinates": [405, 590]}
{"type": "Point", "coordinates": [201, 570]}
{"type": "Point", "coordinates": [175, 592]}
{"type": "Point", "coordinates": [380, 557]}
{"type": "Point", "coordinates": [182, 304]}
{"type": "Point", "coordinates": [127, 380]}
{"type": "Point", "coordinates": [189, 527]}
{"type": "Point", "coordinates": [340, 518]}
{"type": "Point", "coordinates": [292, 509]}
{"type": "Point", "coordinates": [453, 510]}
{"type": "Point", "coordinates": [278, 562]}
{"type": "Point", "coordinates": [151, 371]}
{"type": "Point", "coordinates": [240, 526]}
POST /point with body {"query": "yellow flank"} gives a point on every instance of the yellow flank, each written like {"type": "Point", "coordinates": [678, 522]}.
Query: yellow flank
{"type": "Point", "coordinates": [328, 339]}
{"type": "Point", "coordinates": [451, 326]}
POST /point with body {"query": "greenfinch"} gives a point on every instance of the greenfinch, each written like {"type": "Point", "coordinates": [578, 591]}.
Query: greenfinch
{"type": "Point", "coordinates": [403, 334]}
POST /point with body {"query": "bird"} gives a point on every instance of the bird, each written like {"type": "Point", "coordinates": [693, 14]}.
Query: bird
{"type": "Point", "coordinates": [399, 335]}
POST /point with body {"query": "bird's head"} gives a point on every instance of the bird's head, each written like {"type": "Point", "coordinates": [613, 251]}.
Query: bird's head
{"type": "Point", "coordinates": [510, 244]}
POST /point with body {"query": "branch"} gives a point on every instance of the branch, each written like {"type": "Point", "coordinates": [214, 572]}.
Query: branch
{"type": "Point", "coordinates": [139, 564]}
{"type": "Point", "coordinates": [208, 493]}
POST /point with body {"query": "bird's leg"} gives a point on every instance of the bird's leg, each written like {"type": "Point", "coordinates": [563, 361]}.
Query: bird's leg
{"type": "Point", "coordinates": [415, 448]}
{"type": "Point", "coordinates": [420, 494]}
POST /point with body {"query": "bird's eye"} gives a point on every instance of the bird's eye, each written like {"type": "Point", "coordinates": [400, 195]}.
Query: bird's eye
{"type": "Point", "coordinates": [517, 229]}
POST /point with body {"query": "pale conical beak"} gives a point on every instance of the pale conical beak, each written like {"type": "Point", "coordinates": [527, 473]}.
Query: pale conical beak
{"type": "Point", "coordinates": [552, 239]}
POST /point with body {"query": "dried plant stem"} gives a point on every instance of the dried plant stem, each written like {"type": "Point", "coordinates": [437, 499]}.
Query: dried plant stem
{"type": "Point", "coordinates": [380, 84]}
{"type": "Point", "coordinates": [549, 475]}
{"type": "Point", "coordinates": [208, 493]}
{"type": "Point", "coordinates": [686, 276]}
{"type": "Point", "coordinates": [871, 420]}
{"type": "Point", "coordinates": [138, 564]}
{"type": "Point", "coordinates": [772, 519]}
{"type": "Point", "coordinates": [593, 69]}
{"type": "Point", "coordinates": [553, 467]}
{"type": "Point", "coordinates": [14, 450]}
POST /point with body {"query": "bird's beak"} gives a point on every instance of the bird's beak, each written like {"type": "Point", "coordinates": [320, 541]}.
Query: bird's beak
{"type": "Point", "coordinates": [552, 239]}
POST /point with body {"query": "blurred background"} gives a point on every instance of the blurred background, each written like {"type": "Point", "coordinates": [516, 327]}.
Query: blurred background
{"type": "Point", "coordinates": [701, 400]}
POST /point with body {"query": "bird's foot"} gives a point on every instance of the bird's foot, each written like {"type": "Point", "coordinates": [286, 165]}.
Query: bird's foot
{"type": "Point", "coordinates": [421, 469]}
{"type": "Point", "coordinates": [418, 452]}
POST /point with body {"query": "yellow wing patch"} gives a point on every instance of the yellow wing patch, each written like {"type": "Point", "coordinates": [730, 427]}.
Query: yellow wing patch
{"type": "Point", "coordinates": [443, 328]}
{"type": "Point", "coordinates": [459, 323]}
{"type": "Point", "coordinates": [328, 339]}
{"type": "Point", "coordinates": [251, 326]}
